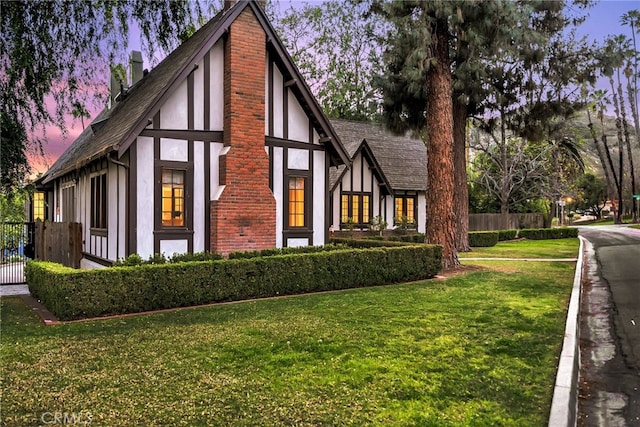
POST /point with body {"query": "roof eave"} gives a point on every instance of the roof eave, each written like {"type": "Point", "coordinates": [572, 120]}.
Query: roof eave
{"type": "Point", "coordinates": [222, 27]}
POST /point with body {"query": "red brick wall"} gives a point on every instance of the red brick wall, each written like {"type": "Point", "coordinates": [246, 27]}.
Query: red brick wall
{"type": "Point", "coordinates": [244, 217]}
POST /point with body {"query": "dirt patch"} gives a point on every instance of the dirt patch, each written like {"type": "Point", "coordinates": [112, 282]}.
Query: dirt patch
{"type": "Point", "coordinates": [456, 271]}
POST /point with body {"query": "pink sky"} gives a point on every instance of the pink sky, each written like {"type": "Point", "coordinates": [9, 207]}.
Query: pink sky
{"type": "Point", "coordinates": [604, 20]}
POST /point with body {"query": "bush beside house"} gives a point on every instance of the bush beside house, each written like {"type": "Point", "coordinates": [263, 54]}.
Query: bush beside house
{"type": "Point", "coordinates": [74, 294]}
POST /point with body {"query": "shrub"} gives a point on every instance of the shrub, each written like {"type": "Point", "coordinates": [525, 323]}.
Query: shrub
{"type": "Point", "coordinates": [198, 256]}
{"type": "Point", "coordinates": [286, 251]}
{"type": "Point", "coordinates": [479, 239]}
{"type": "Point", "coordinates": [366, 243]}
{"type": "Point", "coordinates": [74, 294]}
{"type": "Point", "coordinates": [507, 235]}
{"type": "Point", "coordinates": [548, 233]}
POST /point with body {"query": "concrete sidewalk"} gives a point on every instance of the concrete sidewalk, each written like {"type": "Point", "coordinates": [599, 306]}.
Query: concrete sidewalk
{"type": "Point", "coordinates": [11, 290]}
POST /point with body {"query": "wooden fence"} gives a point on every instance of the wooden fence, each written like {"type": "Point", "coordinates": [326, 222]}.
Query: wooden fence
{"type": "Point", "coordinates": [488, 222]}
{"type": "Point", "coordinates": [59, 242]}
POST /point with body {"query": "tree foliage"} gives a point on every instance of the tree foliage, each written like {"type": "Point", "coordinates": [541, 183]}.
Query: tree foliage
{"type": "Point", "coordinates": [337, 49]}
{"type": "Point", "coordinates": [617, 61]}
{"type": "Point", "coordinates": [51, 53]}
{"type": "Point", "coordinates": [592, 193]}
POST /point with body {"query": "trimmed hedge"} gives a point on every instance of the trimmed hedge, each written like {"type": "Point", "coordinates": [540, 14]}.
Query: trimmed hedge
{"type": "Point", "coordinates": [75, 294]}
{"type": "Point", "coordinates": [366, 243]}
{"type": "Point", "coordinates": [511, 234]}
{"type": "Point", "coordinates": [483, 239]}
{"type": "Point", "coordinates": [286, 251]}
{"type": "Point", "coordinates": [413, 238]}
{"type": "Point", "coordinates": [548, 233]}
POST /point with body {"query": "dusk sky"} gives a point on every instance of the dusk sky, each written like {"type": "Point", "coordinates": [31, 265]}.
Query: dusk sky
{"type": "Point", "coordinates": [604, 20]}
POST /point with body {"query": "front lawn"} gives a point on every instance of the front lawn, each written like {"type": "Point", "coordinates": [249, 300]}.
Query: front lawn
{"type": "Point", "coordinates": [480, 348]}
{"type": "Point", "coordinates": [552, 248]}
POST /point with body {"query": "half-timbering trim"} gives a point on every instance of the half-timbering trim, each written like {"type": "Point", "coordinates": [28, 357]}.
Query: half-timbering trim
{"type": "Point", "coordinates": [194, 135]}
{"type": "Point", "coordinates": [272, 141]}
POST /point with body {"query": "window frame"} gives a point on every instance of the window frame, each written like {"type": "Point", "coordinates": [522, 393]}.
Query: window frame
{"type": "Point", "coordinates": [184, 210]}
{"type": "Point", "coordinates": [404, 208]}
{"type": "Point", "coordinates": [359, 197]}
{"type": "Point", "coordinates": [39, 206]}
{"type": "Point", "coordinates": [99, 213]}
{"type": "Point", "coordinates": [305, 202]}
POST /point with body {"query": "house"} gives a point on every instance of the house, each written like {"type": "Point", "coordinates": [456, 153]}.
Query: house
{"type": "Point", "coordinates": [221, 147]}
{"type": "Point", "coordinates": [387, 178]}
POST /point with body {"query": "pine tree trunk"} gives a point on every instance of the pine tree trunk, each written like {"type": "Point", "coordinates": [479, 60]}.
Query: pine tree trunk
{"type": "Point", "coordinates": [461, 194]}
{"type": "Point", "coordinates": [440, 217]}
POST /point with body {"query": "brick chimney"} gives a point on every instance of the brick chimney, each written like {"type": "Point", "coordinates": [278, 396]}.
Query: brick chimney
{"type": "Point", "coordinates": [244, 216]}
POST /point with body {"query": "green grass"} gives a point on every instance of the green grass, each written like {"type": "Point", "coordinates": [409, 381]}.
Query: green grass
{"type": "Point", "coordinates": [605, 221]}
{"type": "Point", "coordinates": [554, 248]}
{"type": "Point", "coordinates": [637, 227]}
{"type": "Point", "coordinates": [480, 348]}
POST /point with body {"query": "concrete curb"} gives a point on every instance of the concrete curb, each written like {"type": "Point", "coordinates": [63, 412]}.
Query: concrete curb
{"type": "Point", "coordinates": [564, 404]}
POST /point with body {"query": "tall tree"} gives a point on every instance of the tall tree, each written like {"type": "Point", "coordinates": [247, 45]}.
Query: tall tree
{"type": "Point", "coordinates": [632, 19]}
{"type": "Point", "coordinates": [50, 52]}
{"type": "Point", "coordinates": [336, 47]}
{"type": "Point", "coordinates": [13, 156]}
{"type": "Point", "coordinates": [418, 69]}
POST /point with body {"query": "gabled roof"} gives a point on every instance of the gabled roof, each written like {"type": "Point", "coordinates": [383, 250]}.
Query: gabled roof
{"type": "Point", "coordinates": [401, 160]}
{"type": "Point", "coordinates": [129, 117]}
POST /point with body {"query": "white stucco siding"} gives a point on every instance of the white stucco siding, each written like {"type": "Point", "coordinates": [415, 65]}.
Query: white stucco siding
{"type": "Point", "coordinates": [389, 210]}
{"type": "Point", "coordinates": [366, 176]}
{"type": "Point", "coordinates": [215, 189]}
{"type": "Point", "coordinates": [336, 209]}
{"type": "Point", "coordinates": [356, 171]}
{"type": "Point", "coordinates": [113, 219]}
{"type": "Point", "coordinates": [297, 242]}
{"type": "Point", "coordinates": [171, 247]}
{"type": "Point", "coordinates": [298, 122]}
{"type": "Point", "coordinates": [145, 192]}
{"type": "Point", "coordinates": [85, 208]}
{"type": "Point", "coordinates": [278, 170]}
{"type": "Point", "coordinates": [375, 196]}
{"type": "Point", "coordinates": [216, 86]}
{"type": "Point", "coordinates": [122, 212]}
{"type": "Point", "coordinates": [198, 96]}
{"type": "Point", "coordinates": [174, 149]}
{"type": "Point", "coordinates": [319, 197]}
{"type": "Point", "coordinates": [86, 264]}
{"type": "Point", "coordinates": [298, 159]}
{"type": "Point", "coordinates": [278, 104]}
{"type": "Point", "coordinates": [346, 180]}
{"type": "Point", "coordinates": [173, 114]}
{"type": "Point", "coordinates": [199, 211]}
{"type": "Point", "coordinates": [422, 212]}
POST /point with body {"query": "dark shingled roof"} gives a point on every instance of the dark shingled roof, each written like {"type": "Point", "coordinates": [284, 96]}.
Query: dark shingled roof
{"type": "Point", "coordinates": [403, 160]}
{"type": "Point", "coordinates": [132, 114]}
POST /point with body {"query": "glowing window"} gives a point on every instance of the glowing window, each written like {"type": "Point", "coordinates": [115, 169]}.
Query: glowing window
{"type": "Point", "coordinates": [38, 206]}
{"type": "Point", "coordinates": [365, 209]}
{"type": "Point", "coordinates": [296, 202]}
{"type": "Point", "coordinates": [344, 216]}
{"type": "Point", "coordinates": [173, 198]}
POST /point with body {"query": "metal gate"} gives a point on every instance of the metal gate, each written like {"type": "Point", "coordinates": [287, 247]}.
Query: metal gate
{"type": "Point", "coordinates": [16, 247]}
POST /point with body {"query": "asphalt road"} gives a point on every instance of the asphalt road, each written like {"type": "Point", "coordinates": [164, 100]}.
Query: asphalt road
{"type": "Point", "coordinates": [609, 392]}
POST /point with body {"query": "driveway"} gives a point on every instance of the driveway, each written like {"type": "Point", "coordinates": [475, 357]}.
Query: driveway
{"type": "Point", "coordinates": [609, 392]}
